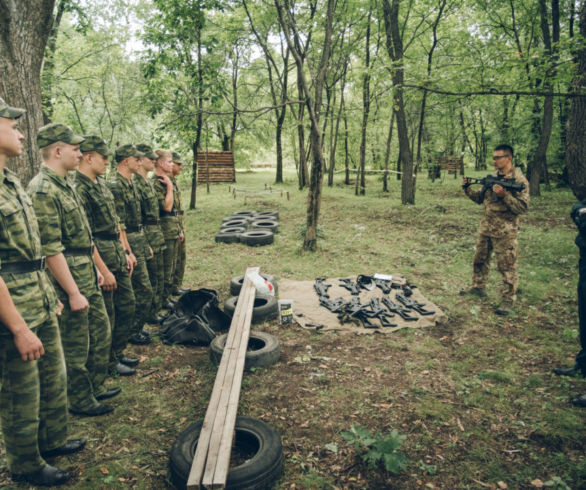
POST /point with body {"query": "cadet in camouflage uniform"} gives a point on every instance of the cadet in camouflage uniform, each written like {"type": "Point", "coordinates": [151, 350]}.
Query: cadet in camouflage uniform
{"type": "Point", "coordinates": [498, 229]}
{"type": "Point", "coordinates": [100, 209]}
{"type": "Point", "coordinates": [67, 242]}
{"type": "Point", "coordinates": [181, 251]}
{"type": "Point", "coordinates": [169, 217]}
{"type": "Point", "coordinates": [128, 209]}
{"type": "Point", "coordinates": [151, 221]}
{"type": "Point", "coordinates": [33, 385]}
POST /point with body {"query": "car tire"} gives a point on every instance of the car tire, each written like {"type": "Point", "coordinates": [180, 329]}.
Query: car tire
{"type": "Point", "coordinates": [236, 283]}
{"type": "Point", "coordinates": [233, 229]}
{"type": "Point", "coordinates": [257, 237]}
{"type": "Point", "coordinates": [263, 350]}
{"type": "Point", "coordinates": [268, 214]}
{"type": "Point", "coordinates": [265, 307]}
{"type": "Point", "coordinates": [265, 224]}
{"type": "Point", "coordinates": [235, 222]}
{"type": "Point", "coordinates": [259, 444]}
{"type": "Point", "coordinates": [227, 237]}
{"type": "Point", "coordinates": [243, 213]}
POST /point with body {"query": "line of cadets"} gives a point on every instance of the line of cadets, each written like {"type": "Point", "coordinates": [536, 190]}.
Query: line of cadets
{"type": "Point", "coordinates": [115, 250]}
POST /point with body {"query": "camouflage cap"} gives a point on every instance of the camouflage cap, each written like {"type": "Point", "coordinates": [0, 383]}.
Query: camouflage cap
{"type": "Point", "coordinates": [126, 151]}
{"type": "Point", "coordinates": [51, 133]}
{"type": "Point", "coordinates": [95, 143]}
{"type": "Point", "coordinates": [10, 112]}
{"type": "Point", "coordinates": [147, 150]}
{"type": "Point", "coordinates": [177, 158]}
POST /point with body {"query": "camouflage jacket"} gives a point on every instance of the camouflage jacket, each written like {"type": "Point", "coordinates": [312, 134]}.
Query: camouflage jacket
{"type": "Point", "coordinates": [578, 215]}
{"type": "Point", "coordinates": [177, 203]}
{"type": "Point", "coordinates": [128, 208]}
{"type": "Point", "coordinates": [501, 214]}
{"type": "Point", "coordinates": [150, 211]}
{"type": "Point", "coordinates": [169, 224]}
{"type": "Point", "coordinates": [62, 220]}
{"type": "Point", "coordinates": [20, 241]}
{"type": "Point", "coordinates": [98, 203]}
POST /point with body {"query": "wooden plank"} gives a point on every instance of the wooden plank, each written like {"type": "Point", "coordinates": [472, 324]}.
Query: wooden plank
{"type": "Point", "coordinates": [216, 411]}
{"type": "Point", "coordinates": [225, 422]}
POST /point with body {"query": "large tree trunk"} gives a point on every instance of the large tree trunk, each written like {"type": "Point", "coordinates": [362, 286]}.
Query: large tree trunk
{"type": "Point", "coordinates": [395, 49]}
{"type": "Point", "coordinates": [198, 125]}
{"type": "Point", "coordinates": [336, 133]}
{"type": "Point", "coordinates": [24, 30]}
{"type": "Point", "coordinates": [302, 171]}
{"type": "Point", "coordinates": [360, 188]}
{"type": "Point", "coordinates": [388, 154]}
{"type": "Point", "coordinates": [576, 136]}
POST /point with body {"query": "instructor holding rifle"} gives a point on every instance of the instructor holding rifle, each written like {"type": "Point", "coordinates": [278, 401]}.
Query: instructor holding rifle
{"type": "Point", "coordinates": [504, 196]}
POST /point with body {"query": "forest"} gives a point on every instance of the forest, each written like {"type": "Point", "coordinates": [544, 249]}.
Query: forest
{"type": "Point", "coordinates": [335, 88]}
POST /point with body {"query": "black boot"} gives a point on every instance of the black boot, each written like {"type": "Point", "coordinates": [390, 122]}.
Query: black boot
{"type": "Point", "coordinates": [47, 476]}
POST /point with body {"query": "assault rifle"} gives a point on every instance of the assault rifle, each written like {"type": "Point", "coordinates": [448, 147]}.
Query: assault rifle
{"type": "Point", "coordinates": [491, 180]}
{"type": "Point", "coordinates": [350, 286]}
{"type": "Point", "coordinates": [414, 305]}
{"type": "Point", "coordinates": [400, 310]}
{"type": "Point", "coordinates": [321, 288]}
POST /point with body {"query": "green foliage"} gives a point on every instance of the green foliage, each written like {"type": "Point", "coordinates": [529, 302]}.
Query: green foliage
{"type": "Point", "coordinates": [557, 483]}
{"type": "Point", "coordinates": [378, 449]}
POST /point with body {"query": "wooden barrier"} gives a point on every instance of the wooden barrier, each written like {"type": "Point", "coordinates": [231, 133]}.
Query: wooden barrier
{"type": "Point", "coordinates": [212, 456]}
{"type": "Point", "coordinates": [215, 166]}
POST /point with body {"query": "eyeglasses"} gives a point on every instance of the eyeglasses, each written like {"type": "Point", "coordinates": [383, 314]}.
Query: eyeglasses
{"type": "Point", "coordinates": [499, 157]}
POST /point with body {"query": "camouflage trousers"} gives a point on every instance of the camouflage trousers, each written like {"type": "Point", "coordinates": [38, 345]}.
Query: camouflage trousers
{"type": "Point", "coordinates": [120, 307]}
{"type": "Point", "coordinates": [179, 267]}
{"type": "Point", "coordinates": [170, 262]}
{"type": "Point", "coordinates": [33, 400]}
{"type": "Point", "coordinates": [143, 292]}
{"type": "Point", "coordinates": [156, 269]}
{"type": "Point", "coordinates": [505, 251]}
{"type": "Point", "coordinates": [86, 339]}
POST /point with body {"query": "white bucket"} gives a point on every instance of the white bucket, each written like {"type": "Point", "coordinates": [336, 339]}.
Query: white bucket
{"type": "Point", "coordinates": [285, 311]}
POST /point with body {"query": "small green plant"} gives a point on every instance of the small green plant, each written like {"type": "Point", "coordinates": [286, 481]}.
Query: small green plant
{"type": "Point", "coordinates": [557, 483]}
{"type": "Point", "coordinates": [380, 448]}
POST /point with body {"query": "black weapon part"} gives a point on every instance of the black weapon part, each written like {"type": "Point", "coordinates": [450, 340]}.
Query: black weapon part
{"type": "Point", "coordinates": [384, 286]}
{"type": "Point", "coordinates": [414, 305]}
{"type": "Point", "coordinates": [350, 286]}
{"type": "Point", "coordinates": [321, 288]}
{"type": "Point", "coordinates": [366, 282]}
{"type": "Point", "coordinates": [400, 310]}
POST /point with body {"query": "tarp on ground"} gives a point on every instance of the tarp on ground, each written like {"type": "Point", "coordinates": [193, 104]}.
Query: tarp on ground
{"type": "Point", "coordinates": [308, 313]}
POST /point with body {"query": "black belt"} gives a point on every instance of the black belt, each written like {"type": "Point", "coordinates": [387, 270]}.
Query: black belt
{"type": "Point", "coordinates": [134, 229]}
{"type": "Point", "coordinates": [168, 213]}
{"type": "Point", "coordinates": [152, 222]}
{"type": "Point", "coordinates": [102, 235]}
{"type": "Point", "coordinates": [23, 267]}
{"type": "Point", "coordinates": [79, 251]}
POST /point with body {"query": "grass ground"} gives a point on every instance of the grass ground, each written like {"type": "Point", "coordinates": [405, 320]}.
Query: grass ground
{"type": "Point", "coordinates": [475, 397]}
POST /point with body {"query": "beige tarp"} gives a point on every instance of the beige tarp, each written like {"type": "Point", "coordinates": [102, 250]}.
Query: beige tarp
{"type": "Point", "coordinates": [308, 313]}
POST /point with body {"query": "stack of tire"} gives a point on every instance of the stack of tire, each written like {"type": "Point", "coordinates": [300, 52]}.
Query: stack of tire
{"type": "Point", "coordinates": [255, 442]}
{"type": "Point", "coordinates": [249, 227]}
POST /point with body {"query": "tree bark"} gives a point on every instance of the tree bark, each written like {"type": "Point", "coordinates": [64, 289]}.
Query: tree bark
{"type": "Point", "coordinates": [388, 154]}
{"type": "Point", "coordinates": [336, 132]}
{"type": "Point", "coordinates": [198, 124]}
{"type": "Point", "coordinates": [395, 50]}
{"type": "Point", "coordinates": [576, 136]}
{"type": "Point", "coordinates": [24, 32]}
{"type": "Point", "coordinates": [360, 189]}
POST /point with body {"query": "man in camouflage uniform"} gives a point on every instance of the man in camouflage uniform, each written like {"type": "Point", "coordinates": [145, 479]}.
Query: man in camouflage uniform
{"type": "Point", "coordinates": [33, 385]}
{"type": "Point", "coordinates": [151, 221]}
{"type": "Point", "coordinates": [67, 242]}
{"type": "Point", "coordinates": [498, 229]}
{"type": "Point", "coordinates": [100, 209]}
{"type": "Point", "coordinates": [181, 251]}
{"type": "Point", "coordinates": [169, 217]}
{"type": "Point", "coordinates": [578, 215]}
{"type": "Point", "coordinates": [128, 209]}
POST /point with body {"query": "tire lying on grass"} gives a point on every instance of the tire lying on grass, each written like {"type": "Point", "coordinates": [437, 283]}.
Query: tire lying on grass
{"type": "Point", "coordinates": [265, 307]}
{"type": "Point", "coordinates": [235, 222]}
{"type": "Point", "coordinates": [263, 350]}
{"type": "Point", "coordinates": [265, 224]}
{"type": "Point", "coordinates": [257, 237]}
{"type": "Point", "coordinates": [236, 283]}
{"type": "Point", "coordinates": [232, 229]}
{"type": "Point", "coordinates": [256, 444]}
{"type": "Point", "coordinates": [268, 214]}
{"type": "Point", "coordinates": [243, 213]}
{"type": "Point", "coordinates": [227, 237]}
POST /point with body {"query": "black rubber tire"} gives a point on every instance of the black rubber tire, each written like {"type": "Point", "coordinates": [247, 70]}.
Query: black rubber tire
{"type": "Point", "coordinates": [243, 213]}
{"type": "Point", "coordinates": [235, 222]}
{"type": "Point", "coordinates": [227, 237]}
{"type": "Point", "coordinates": [232, 229]}
{"type": "Point", "coordinates": [265, 307]}
{"type": "Point", "coordinates": [257, 237]}
{"type": "Point", "coordinates": [263, 350]}
{"type": "Point", "coordinates": [268, 214]}
{"type": "Point", "coordinates": [236, 283]}
{"type": "Point", "coordinates": [265, 224]}
{"type": "Point", "coordinates": [254, 438]}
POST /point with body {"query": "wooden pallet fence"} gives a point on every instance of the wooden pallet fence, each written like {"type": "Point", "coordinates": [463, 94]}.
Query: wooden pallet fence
{"type": "Point", "coordinates": [217, 166]}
